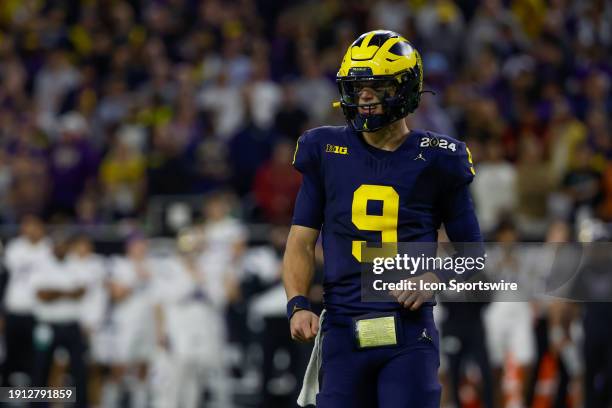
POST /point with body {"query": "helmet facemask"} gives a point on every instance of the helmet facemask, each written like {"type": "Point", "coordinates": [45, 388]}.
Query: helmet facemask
{"type": "Point", "coordinates": [398, 95]}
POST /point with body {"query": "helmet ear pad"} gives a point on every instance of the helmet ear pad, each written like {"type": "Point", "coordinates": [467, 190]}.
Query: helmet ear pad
{"type": "Point", "coordinates": [408, 94]}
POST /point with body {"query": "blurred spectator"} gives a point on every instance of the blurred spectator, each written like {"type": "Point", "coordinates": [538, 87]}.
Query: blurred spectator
{"type": "Point", "coordinates": [431, 117]}
{"type": "Point", "coordinates": [6, 178]}
{"type": "Point", "coordinates": [73, 165]}
{"type": "Point", "coordinates": [534, 184]}
{"type": "Point", "coordinates": [605, 208]}
{"type": "Point", "coordinates": [291, 119]}
{"type": "Point", "coordinates": [593, 23]}
{"type": "Point", "coordinates": [30, 178]}
{"type": "Point", "coordinates": [482, 120]}
{"type": "Point", "coordinates": [566, 132]}
{"type": "Point", "coordinates": [314, 92]}
{"type": "Point", "coordinates": [582, 182]}
{"type": "Point", "coordinates": [488, 26]}
{"type": "Point", "coordinates": [53, 82]}
{"type": "Point", "coordinates": [211, 163]}
{"type": "Point", "coordinates": [121, 175]}
{"type": "Point", "coordinates": [87, 211]}
{"type": "Point", "coordinates": [495, 187]}
{"type": "Point", "coordinates": [250, 147]}
{"type": "Point", "coordinates": [599, 138]}
{"type": "Point", "coordinates": [114, 104]}
{"type": "Point", "coordinates": [391, 14]}
{"type": "Point", "coordinates": [263, 95]}
{"type": "Point", "coordinates": [223, 100]}
{"type": "Point", "coordinates": [167, 171]}
{"type": "Point", "coordinates": [237, 65]}
{"type": "Point", "coordinates": [276, 184]}
{"type": "Point", "coordinates": [440, 25]}
{"type": "Point", "coordinates": [13, 85]}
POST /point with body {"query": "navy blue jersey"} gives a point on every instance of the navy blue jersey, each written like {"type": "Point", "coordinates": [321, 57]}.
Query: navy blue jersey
{"type": "Point", "coordinates": [356, 193]}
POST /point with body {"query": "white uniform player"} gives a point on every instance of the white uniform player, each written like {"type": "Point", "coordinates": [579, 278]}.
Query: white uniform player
{"type": "Point", "coordinates": [132, 327]}
{"type": "Point", "coordinates": [132, 316]}
{"type": "Point", "coordinates": [93, 271]}
{"type": "Point", "coordinates": [509, 324]}
{"type": "Point", "coordinates": [221, 237]}
{"type": "Point", "coordinates": [22, 258]}
{"type": "Point", "coordinates": [59, 292]}
{"type": "Point", "coordinates": [190, 302]}
{"type": "Point", "coordinates": [58, 275]}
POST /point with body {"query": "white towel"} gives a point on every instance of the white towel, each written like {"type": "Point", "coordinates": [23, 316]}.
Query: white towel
{"type": "Point", "coordinates": [310, 386]}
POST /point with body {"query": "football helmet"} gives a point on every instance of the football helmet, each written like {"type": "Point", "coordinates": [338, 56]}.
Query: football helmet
{"type": "Point", "coordinates": [387, 63]}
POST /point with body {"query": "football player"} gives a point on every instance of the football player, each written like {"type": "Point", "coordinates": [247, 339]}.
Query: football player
{"type": "Point", "coordinates": [132, 323]}
{"type": "Point", "coordinates": [371, 181]}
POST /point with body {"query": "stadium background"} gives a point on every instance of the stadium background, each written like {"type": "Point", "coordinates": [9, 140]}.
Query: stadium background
{"type": "Point", "coordinates": [124, 117]}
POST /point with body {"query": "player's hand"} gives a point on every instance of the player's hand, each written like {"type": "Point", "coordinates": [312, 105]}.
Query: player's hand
{"type": "Point", "coordinates": [413, 299]}
{"type": "Point", "coordinates": [304, 325]}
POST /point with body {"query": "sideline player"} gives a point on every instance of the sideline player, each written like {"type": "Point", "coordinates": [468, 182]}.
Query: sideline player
{"type": "Point", "coordinates": [23, 257]}
{"type": "Point", "coordinates": [374, 180]}
{"type": "Point", "coordinates": [132, 323]}
{"type": "Point", "coordinates": [190, 330]}
{"type": "Point", "coordinates": [57, 307]}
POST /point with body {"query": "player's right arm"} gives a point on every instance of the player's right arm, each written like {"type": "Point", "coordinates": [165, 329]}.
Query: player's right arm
{"type": "Point", "coordinates": [298, 270]}
{"type": "Point", "coordinates": [299, 259]}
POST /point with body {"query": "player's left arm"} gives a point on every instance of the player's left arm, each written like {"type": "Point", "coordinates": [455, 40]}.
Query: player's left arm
{"type": "Point", "coordinates": [458, 212]}
{"type": "Point", "coordinates": [458, 216]}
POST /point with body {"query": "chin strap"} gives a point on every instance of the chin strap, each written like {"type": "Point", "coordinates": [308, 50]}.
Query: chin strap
{"type": "Point", "coordinates": [369, 123]}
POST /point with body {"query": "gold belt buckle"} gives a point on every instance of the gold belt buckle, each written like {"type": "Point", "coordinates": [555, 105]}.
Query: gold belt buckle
{"type": "Point", "coordinates": [376, 330]}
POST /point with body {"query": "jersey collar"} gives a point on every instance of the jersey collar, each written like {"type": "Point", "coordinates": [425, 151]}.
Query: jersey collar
{"type": "Point", "coordinates": [357, 141]}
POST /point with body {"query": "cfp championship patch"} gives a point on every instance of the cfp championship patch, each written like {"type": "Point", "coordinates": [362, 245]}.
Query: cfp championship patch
{"type": "Point", "coordinates": [432, 141]}
{"type": "Point", "coordinates": [329, 148]}
{"type": "Point", "coordinates": [379, 331]}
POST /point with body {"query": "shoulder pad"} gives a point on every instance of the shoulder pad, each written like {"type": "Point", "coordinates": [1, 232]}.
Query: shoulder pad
{"type": "Point", "coordinates": [307, 155]}
{"type": "Point", "coordinates": [456, 161]}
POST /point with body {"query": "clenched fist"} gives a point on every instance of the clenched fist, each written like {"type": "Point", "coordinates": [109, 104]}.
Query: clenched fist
{"type": "Point", "coordinates": [304, 326]}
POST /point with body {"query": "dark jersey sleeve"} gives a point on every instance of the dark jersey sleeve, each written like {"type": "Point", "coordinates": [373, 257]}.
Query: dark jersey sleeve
{"type": "Point", "coordinates": [459, 217]}
{"type": "Point", "coordinates": [310, 201]}
{"type": "Point", "coordinates": [457, 208]}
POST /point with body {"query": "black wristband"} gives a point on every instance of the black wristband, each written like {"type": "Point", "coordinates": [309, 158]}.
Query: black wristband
{"type": "Point", "coordinates": [296, 304]}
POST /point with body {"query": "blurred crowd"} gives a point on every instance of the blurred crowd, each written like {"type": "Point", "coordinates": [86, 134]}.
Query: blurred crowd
{"type": "Point", "coordinates": [107, 105]}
